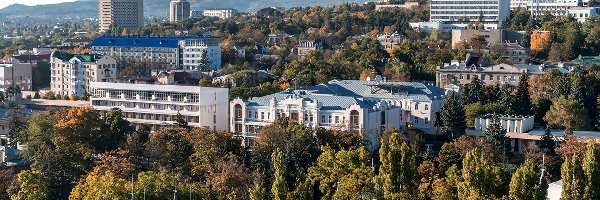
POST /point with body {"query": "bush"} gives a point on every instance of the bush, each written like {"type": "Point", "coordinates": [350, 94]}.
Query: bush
{"type": "Point", "coordinates": [73, 97]}
{"type": "Point", "coordinates": [36, 95]}
{"type": "Point", "coordinates": [28, 96]}
{"type": "Point", "coordinates": [65, 97]}
{"type": "Point", "coordinates": [50, 95]}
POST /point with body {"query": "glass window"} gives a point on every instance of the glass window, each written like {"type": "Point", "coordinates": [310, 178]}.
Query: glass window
{"type": "Point", "coordinates": [337, 119]}
{"type": "Point", "coordinates": [426, 107]}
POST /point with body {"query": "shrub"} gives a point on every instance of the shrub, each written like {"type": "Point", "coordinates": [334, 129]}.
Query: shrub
{"type": "Point", "coordinates": [28, 96]}
{"type": "Point", "coordinates": [36, 95]}
{"type": "Point", "coordinates": [50, 95]}
{"type": "Point", "coordinates": [73, 97]}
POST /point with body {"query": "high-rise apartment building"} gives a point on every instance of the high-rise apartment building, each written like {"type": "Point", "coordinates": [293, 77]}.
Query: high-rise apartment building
{"type": "Point", "coordinates": [469, 10]}
{"type": "Point", "coordinates": [180, 10]}
{"type": "Point", "coordinates": [121, 13]}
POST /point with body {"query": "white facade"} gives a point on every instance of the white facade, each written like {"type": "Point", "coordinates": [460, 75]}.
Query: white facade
{"type": "Point", "coordinates": [194, 50]}
{"type": "Point", "coordinates": [469, 10]}
{"type": "Point", "coordinates": [121, 13]}
{"type": "Point", "coordinates": [583, 13]}
{"type": "Point", "coordinates": [367, 107]}
{"type": "Point", "coordinates": [514, 124]}
{"type": "Point", "coordinates": [73, 73]}
{"type": "Point", "coordinates": [158, 105]}
{"type": "Point", "coordinates": [179, 10]}
{"type": "Point", "coordinates": [539, 7]}
{"type": "Point", "coordinates": [220, 13]}
{"type": "Point", "coordinates": [427, 27]}
{"type": "Point", "coordinates": [15, 73]}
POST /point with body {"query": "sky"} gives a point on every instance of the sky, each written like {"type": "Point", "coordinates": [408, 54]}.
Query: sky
{"type": "Point", "coordinates": [4, 3]}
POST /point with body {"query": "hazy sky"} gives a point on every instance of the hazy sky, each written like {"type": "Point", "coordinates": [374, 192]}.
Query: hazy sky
{"type": "Point", "coordinates": [4, 3]}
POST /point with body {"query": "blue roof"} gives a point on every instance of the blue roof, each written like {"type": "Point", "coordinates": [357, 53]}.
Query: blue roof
{"type": "Point", "coordinates": [145, 41]}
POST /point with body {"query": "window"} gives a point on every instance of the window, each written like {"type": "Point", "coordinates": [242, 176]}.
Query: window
{"type": "Point", "coordinates": [512, 78]}
{"type": "Point", "coordinates": [256, 114]}
{"type": "Point", "coordinates": [491, 78]}
{"type": "Point", "coordinates": [354, 117]}
{"type": "Point", "coordinates": [329, 119]}
{"type": "Point", "coordinates": [382, 117]}
{"type": "Point", "coordinates": [461, 77]}
{"type": "Point", "coordinates": [426, 107]}
{"type": "Point", "coordinates": [337, 119]}
{"type": "Point", "coordinates": [416, 120]}
{"type": "Point", "coordinates": [249, 114]}
{"type": "Point", "coordinates": [322, 118]}
{"type": "Point", "coordinates": [468, 76]}
{"type": "Point", "coordinates": [416, 106]}
{"type": "Point", "coordinates": [262, 115]}
{"type": "Point", "coordinates": [483, 77]}
{"type": "Point", "coordinates": [214, 119]}
{"type": "Point", "coordinates": [426, 120]}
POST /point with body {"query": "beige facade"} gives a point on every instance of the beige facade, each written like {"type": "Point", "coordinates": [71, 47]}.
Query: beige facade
{"type": "Point", "coordinates": [461, 74]}
{"type": "Point", "coordinates": [121, 13]}
{"type": "Point", "coordinates": [72, 73]}
{"type": "Point", "coordinates": [306, 46]}
{"type": "Point", "coordinates": [179, 10]}
{"type": "Point", "coordinates": [15, 73]}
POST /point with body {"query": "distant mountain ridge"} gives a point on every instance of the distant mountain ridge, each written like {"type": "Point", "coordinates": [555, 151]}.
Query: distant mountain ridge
{"type": "Point", "coordinates": [159, 8]}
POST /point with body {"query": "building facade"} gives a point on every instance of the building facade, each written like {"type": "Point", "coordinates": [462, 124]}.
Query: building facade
{"type": "Point", "coordinates": [306, 46]}
{"type": "Point", "coordinates": [583, 13]}
{"type": "Point", "coordinates": [220, 13]}
{"type": "Point", "coordinates": [159, 105]}
{"type": "Point", "coordinates": [176, 52]}
{"type": "Point", "coordinates": [363, 107]}
{"type": "Point", "coordinates": [461, 73]}
{"type": "Point", "coordinates": [121, 13]}
{"type": "Point", "coordinates": [73, 73]}
{"type": "Point", "coordinates": [538, 7]}
{"type": "Point", "coordinates": [469, 10]}
{"type": "Point", "coordinates": [13, 73]}
{"type": "Point", "coordinates": [179, 10]}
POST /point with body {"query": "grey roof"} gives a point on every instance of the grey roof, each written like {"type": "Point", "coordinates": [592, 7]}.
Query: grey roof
{"type": "Point", "coordinates": [151, 87]}
{"type": "Point", "coordinates": [345, 93]}
{"type": "Point", "coordinates": [557, 132]}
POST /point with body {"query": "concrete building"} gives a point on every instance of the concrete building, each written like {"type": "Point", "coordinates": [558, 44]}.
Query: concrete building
{"type": "Point", "coordinates": [364, 107]}
{"type": "Point", "coordinates": [491, 36]}
{"type": "Point", "coordinates": [447, 26]}
{"type": "Point", "coordinates": [15, 73]}
{"type": "Point", "coordinates": [306, 46]}
{"type": "Point", "coordinates": [583, 13]}
{"type": "Point", "coordinates": [496, 11]}
{"type": "Point", "coordinates": [73, 73]}
{"type": "Point", "coordinates": [406, 5]}
{"type": "Point", "coordinates": [179, 10]}
{"type": "Point", "coordinates": [461, 73]}
{"type": "Point", "coordinates": [390, 41]}
{"type": "Point", "coordinates": [121, 13]}
{"type": "Point", "coordinates": [158, 105]}
{"type": "Point", "coordinates": [220, 13]}
{"type": "Point", "coordinates": [175, 52]}
{"type": "Point", "coordinates": [539, 7]}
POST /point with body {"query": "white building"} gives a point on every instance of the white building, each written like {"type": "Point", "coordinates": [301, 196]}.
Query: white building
{"type": "Point", "coordinates": [120, 13]}
{"type": "Point", "coordinates": [583, 13]}
{"type": "Point", "coordinates": [179, 10]}
{"type": "Point", "coordinates": [158, 105]}
{"type": "Point", "coordinates": [539, 7]}
{"type": "Point", "coordinates": [176, 52]}
{"type": "Point", "coordinates": [448, 26]}
{"type": "Point", "coordinates": [368, 107]}
{"type": "Point", "coordinates": [15, 73]}
{"type": "Point", "coordinates": [73, 73]}
{"type": "Point", "coordinates": [220, 13]}
{"type": "Point", "coordinates": [470, 10]}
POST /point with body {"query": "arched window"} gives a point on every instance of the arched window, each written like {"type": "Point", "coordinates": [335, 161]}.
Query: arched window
{"type": "Point", "coordinates": [354, 117]}
{"type": "Point", "coordinates": [238, 111]}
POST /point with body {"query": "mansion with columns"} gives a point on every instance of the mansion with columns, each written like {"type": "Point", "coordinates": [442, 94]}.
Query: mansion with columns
{"type": "Point", "coordinates": [366, 107]}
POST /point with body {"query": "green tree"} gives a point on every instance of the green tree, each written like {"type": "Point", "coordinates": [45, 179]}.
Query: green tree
{"type": "Point", "coordinates": [398, 172]}
{"type": "Point", "coordinates": [451, 117]}
{"type": "Point", "coordinates": [567, 113]}
{"type": "Point", "coordinates": [496, 135]}
{"type": "Point", "coordinates": [117, 130]}
{"type": "Point", "coordinates": [525, 184]}
{"type": "Point", "coordinates": [279, 187]}
{"type": "Point", "coordinates": [522, 102]}
{"type": "Point", "coordinates": [181, 122]}
{"type": "Point", "coordinates": [16, 122]}
{"type": "Point", "coordinates": [169, 149]}
{"type": "Point", "coordinates": [591, 169]}
{"type": "Point", "coordinates": [258, 192]}
{"type": "Point", "coordinates": [100, 184]}
{"type": "Point", "coordinates": [573, 179]}
{"type": "Point", "coordinates": [472, 92]}
{"type": "Point", "coordinates": [547, 141]}
{"type": "Point", "coordinates": [480, 179]}
{"type": "Point", "coordinates": [33, 185]}
{"type": "Point", "coordinates": [303, 190]}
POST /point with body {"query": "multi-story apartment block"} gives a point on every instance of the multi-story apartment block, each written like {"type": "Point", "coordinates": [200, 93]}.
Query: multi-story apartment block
{"type": "Point", "coordinates": [159, 105]}
{"type": "Point", "coordinates": [180, 10]}
{"type": "Point", "coordinates": [461, 73]}
{"type": "Point", "coordinates": [73, 73]}
{"type": "Point", "coordinates": [220, 13]}
{"type": "Point", "coordinates": [539, 7]}
{"type": "Point", "coordinates": [14, 73]}
{"type": "Point", "coordinates": [366, 107]}
{"type": "Point", "coordinates": [121, 13]}
{"type": "Point", "coordinates": [470, 10]}
{"type": "Point", "coordinates": [176, 52]}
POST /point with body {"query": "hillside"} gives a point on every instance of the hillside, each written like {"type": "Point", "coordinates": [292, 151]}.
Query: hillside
{"type": "Point", "coordinates": [159, 8]}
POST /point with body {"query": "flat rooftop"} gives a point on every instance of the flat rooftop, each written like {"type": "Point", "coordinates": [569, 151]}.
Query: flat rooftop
{"type": "Point", "coordinates": [154, 88]}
